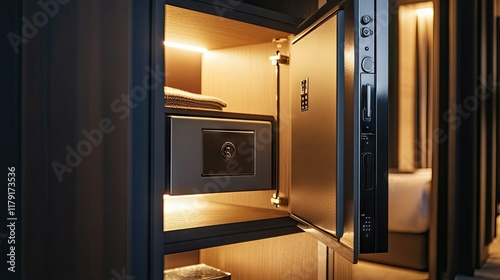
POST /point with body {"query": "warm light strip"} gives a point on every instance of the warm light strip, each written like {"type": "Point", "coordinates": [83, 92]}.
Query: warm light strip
{"type": "Point", "coordinates": [425, 12]}
{"type": "Point", "coordinates": [185, 47]}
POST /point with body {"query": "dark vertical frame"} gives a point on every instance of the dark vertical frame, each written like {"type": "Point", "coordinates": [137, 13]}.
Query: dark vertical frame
{"type": "Point", "coordinates": [462, 158]}
{"type": "Point", "coordinates": [481, 136]}
{"type": "Point", "coordinates": [463, 171]}
{"type": "Point", "coordinates": [10, 123]}
{"type": "Point", "coordinates": [438, 234]}
{"type": "Point", "coordinates": [351, 151]}
{"type": "Point", "coordinates": [487, 81]}
{"type": "Point", "coordinates": [148, 142]}
{"type": "Point", "coordinates": [103, 220]}
{"type": "Point", "coordinates": [47, 110]}
{"type": "Point", "coordinates": [393, 84]}
{"type": "Point", "coordinates": [497, 111]}
{"type": "Point", "coordinates": [382, 92]}
{"type": "Point", "coordinates": [157, 150]}
{"type": "Point", "coordinates": [486, 210]}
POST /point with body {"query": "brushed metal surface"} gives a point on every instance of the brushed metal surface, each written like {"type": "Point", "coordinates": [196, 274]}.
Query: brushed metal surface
{"type": "Point", "coordinates": [185, 166]}
{"type": "Point", "coordinates": [314, 131]}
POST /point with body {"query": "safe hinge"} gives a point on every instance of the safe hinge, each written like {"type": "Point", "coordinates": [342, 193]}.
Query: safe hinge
{"type": "Point", "coordinates": [279, 201]}
{"type": "Point", "coordinates": [279, 59]}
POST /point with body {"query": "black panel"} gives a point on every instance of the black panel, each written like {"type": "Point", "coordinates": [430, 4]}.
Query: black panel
{"type": "Point", "coordinates": [228, 153]}
{"type": "Point", "coordinates": [462, 160]}
{"type": "Point", "coordinates": [148, 141]}
{"type": "Point", "coordinates": [374, 88]}
{"type": "Point", "coordinates": [297, 8]}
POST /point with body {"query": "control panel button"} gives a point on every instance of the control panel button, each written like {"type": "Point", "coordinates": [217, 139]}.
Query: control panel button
{"type": "Point", "coordinates": [366, 19]}
{"type": "Point", "coordinates": [365, 32]}
{"type": "Point", "coordinates": [304, 95]}
{"type": "Point", "coordinates": [367, 174]}
{"type": "Point", "coordinates": [367, 64]}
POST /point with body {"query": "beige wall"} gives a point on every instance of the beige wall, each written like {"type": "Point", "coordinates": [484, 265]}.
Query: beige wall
{"type": "Point", "coordinates": [243, 77]}
{"type": "Point", "coordinates": [183, 69]}
{"type": "Point", "coordinates": [181, 259]}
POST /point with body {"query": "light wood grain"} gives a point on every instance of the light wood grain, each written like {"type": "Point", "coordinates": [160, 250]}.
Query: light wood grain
{"type": "Point", "coordinates": [181, 259]}
{"type": "Point", "coordinates": [342, 268]}
{"type": "Point", "coordinates": [243, 77]}
{"type": "Point", "coordinates": [288, 257]}
{"type": "Point", "coordinates": [213, 32]}
{"type": "Point", "coordinates": [189, 212]}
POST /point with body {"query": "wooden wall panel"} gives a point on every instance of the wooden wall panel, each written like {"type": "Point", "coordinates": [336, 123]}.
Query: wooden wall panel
{"type": "Point", "coordinates": [213, 32]}
{"type": "Point", "coordinates": [243, 77]}
{"type": "Point", "coordinates": [342, 268]}
{"type": "Point", "coordinates": [181, 259]}
{"type": "Point", "coordinates": [287, 257]}
{"type": "Point", "coordinates": [183, 69]}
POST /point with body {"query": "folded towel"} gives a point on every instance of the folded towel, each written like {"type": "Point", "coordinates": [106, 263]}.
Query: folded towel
{"type": "Point", "coordinates": [176, 98]}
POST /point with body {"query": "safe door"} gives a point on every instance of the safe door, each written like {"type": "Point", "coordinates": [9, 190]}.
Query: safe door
{"type": "Point", "coordinates": [339, 82]}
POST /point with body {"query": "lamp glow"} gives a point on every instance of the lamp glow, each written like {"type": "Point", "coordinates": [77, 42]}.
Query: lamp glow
{"type": "Point", "coordinates": [185, 47]}
{"type": "Point", "coordinates": [425, 12]}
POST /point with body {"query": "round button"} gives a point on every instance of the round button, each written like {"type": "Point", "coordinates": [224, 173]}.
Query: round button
{"type": "Point", "coordinates": [367, 64]}
{"type": "Point", "coordinates": [366, 19]}
{"type": "Point", "coordinates": [365, 32]}
{"type": "Point", "coordinates": [227, 151]}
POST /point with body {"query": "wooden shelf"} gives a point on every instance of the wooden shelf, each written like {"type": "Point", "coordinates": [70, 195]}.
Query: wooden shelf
{"type": "Point", "coordinates": [193, 223]}
{"type": "Point", "coordinates": [213, 32]}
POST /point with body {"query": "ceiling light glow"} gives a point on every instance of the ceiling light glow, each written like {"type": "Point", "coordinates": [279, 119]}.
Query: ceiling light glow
{"type": "Point", "coordinates": [428, 12]}
{"type": "Point", "coordinates": [185, 47]}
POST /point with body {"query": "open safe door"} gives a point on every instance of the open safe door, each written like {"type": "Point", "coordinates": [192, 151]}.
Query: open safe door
{"type": "Point", "coordinates": [339, 82]}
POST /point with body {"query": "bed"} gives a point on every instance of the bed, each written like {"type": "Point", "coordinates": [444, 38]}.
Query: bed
{"type": "Point", "coordinates": [409, 201]}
